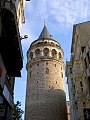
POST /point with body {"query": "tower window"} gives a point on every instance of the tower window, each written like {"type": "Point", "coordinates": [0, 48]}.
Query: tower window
{"type": "Point", "coordinates": [46, 42]}
{"type": "Point", "coordinates": [46, 52]}
{"type": "Point", "coordinates": [30, 73]}
{"type": "Point", "coordinates": [70, 70]}
{"type": "Point", "coordinates": [81, 85]}
{"type": "Point", "coordinates": [52, 43]}
{"type": "Point", "coordinates": [61, 74]}
{"type": "Point", "coordinates": [55, 65]}
{"type": "Point", "coordinates": [31, 55]}
{"type": "Point", "coordinates": [54, 53]}
{"type": "Point", "coordinates": [37, 53]}
{"type": "Point", "coordinates": [38, 64]}
{"type": "Point", "coordinates": [46, 63]}
{"type": "Point", "coordinates": [60, 56]}
{"type": "Point", "coordinates": [47, 71]}
{"type": "Point", "coordinates": [82, 89]}
{"type": "Point", "coordinates": [84, 104]}
{"type": "Point", "coordinates": [88, 57]}
{"type": "Point", "coordinates": [85, 63]}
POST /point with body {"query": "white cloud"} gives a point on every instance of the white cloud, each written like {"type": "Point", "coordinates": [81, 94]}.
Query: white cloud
{"type": "Point", "coordinates": [66, 11]}
{"type": "Point", "coordinates": [63, 12]}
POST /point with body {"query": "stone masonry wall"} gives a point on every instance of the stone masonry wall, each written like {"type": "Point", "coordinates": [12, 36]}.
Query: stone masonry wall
{"type": "Point", "coordinates": [45, 99]}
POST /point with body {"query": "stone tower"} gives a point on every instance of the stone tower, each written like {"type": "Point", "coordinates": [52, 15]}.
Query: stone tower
{"type": "Point", "coordinates": [45, 94]}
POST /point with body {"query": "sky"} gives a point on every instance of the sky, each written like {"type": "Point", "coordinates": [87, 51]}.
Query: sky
{"type": "Point", "coordinates": [60, 16]}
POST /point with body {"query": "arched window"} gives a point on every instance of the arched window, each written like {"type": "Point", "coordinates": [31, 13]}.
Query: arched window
{"type": "Point", "coordinates": [54, 53]}
{"type": "Point", "coordinates": [60, 56]}
{"type": "Point", "coordinates": [37, 52]}
{"type": "Point", "coordinates": [31, 55]}
{"type": "Point", "coordinates": [46, 52]}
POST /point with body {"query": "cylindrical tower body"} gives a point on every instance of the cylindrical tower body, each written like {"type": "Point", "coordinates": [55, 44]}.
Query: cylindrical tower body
{"type": "Point", "coordinates": [45, 95]}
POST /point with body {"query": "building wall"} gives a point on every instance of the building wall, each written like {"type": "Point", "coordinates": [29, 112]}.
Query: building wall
{"type": "Point", "coordinates": [2, 72]}
{"type": "Point", "coordinates": [13, 14]}
{"type": "Point", "coordinates": [20, 5]}
{"type": "Point", "coordinates": [78, 80]}
{"type": "Point", "coordinates": [45, 96]}
{"type": "Point", "coordinates": [68, 109]}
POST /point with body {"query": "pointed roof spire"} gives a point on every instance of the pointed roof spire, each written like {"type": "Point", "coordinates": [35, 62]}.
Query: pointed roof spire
{"type": "Point", "coordinates": [44, 22]}
{"type": "Point", "coordinates": [45, 33]}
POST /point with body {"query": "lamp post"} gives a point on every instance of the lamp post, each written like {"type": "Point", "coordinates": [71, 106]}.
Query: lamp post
{"type": "Point", "coordinates": [25, 37]}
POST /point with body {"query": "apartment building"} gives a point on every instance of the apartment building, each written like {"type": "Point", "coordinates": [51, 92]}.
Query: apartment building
{"type": "Point", "coordinates": [78, 72]}
{"type": "Point", "coordinates": [11, 55]}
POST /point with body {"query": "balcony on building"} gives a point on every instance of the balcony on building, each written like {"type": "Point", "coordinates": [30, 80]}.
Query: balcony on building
{"type": "Point", "coordinates": [10, 44]}
{"type": "Point", "coordinates": [68, 70]}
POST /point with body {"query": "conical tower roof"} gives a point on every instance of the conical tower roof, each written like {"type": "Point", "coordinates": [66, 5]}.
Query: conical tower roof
{"type": "Point", "coordinates": [45, 33]}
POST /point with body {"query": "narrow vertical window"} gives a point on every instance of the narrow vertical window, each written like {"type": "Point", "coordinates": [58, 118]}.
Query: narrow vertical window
{"type": "Point", "coordinates": [31, 55]}
{"type": "Point", "coordinates": [81, 85]}
{"type": "Point", "coordinates": [46, 63]}
{"type": "Point", "coordinates": [84, 104]}
{"type": "Point", "coordinates": [85, 63]}
{"type": "Point", "coordinates": [30, 73]}
{"type": "Point", "coordinates": [47, 71]}
{"type": "Point", "coordinates": [61, 74]}
{"type": "Point", "coordinates": [70, 70]}
{"type": "Point", "coordinates": [82, 89]}
{"type": "Point", "coordinates": [88, 57]}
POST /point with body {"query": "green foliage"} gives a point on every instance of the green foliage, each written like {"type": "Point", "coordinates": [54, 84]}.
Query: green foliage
{"type": "Point", "coordinates": [16, 112]}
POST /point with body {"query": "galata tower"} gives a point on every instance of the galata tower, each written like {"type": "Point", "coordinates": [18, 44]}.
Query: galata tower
{"type": "Point", "coordinates": [45, 93]}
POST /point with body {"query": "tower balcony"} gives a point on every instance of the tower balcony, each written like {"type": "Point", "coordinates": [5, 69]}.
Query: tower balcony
{"type": "Point", "coordinates": [10, 44]}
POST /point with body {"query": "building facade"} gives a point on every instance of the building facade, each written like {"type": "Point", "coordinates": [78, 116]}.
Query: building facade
{"type": "Point", "coordinates": [45, 94]}
{"type": "Point", "coordinates": [78, 72]}
{"type": "Point", "coordinates": [11, 56]}
{"type": "Point", "coordinates": [68, 110]}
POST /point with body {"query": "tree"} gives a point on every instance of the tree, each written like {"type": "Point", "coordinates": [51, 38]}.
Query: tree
{"type": "Point", "coordinates": [16, 112]}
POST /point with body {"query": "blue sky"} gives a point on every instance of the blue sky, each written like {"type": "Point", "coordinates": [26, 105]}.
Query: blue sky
{"type": "Point", "coordinates": [60, 17]}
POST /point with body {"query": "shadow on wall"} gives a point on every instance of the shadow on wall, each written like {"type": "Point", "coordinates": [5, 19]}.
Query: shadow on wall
{"type": "Point", "coordinates": [50, 105]}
